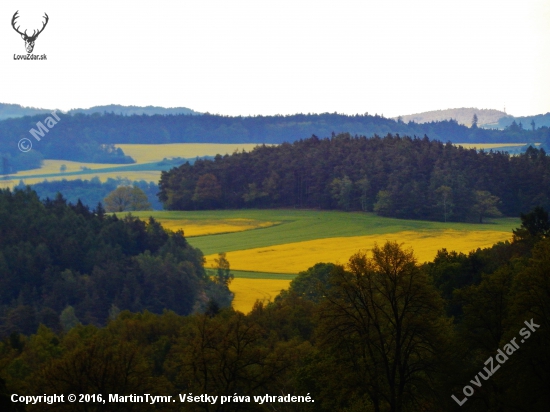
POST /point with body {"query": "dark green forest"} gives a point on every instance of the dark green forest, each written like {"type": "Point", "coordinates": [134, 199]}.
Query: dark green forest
{"type": "Point", "coordinates": [380, 333]}
{"type": "Point", "coordinates": [393, 176]}
{"type": "Point", "coordinates": [88, 137]}
{"type": "Point", "coordinates": [61, 263]}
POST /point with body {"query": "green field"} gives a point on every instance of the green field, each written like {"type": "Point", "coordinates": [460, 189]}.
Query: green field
{"type": "Point", "coordinates": [303, 225]}
{"type": "Point", "coordinates": [245, 274]}
{"type": "Point", "coordinates": [265, 259]}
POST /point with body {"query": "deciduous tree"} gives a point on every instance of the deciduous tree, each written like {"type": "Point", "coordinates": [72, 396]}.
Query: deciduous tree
{"type": "Point", "coordinates": [383, 324]}
{"type": "Point", "coordinates": [485, 205]}
{"type": "Point", "coordinates": [127, 198]}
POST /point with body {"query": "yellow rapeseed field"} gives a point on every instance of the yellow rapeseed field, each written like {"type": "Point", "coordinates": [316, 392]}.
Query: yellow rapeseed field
{"type": "Point", "coordinates": [296, 257]}
{"type": "Point", "coordinates": [53, 166]}
{"type": "Point", "coordinates": [142, 153]}
{"type": "Point", "coordinates": [148, 176]}
{"type": "Point", "coordinates": [210, 227]}
{"type": "Point", "coordinates": [247, 291]}
{"type": "Point", "coordinates": [147, 153]}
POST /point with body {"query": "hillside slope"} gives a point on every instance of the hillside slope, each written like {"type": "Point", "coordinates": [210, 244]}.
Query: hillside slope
{"type": "Point", "coordinates": [462, 115]}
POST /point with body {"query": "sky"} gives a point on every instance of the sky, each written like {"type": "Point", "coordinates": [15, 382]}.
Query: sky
{"type": "Point", "coordinates": [250, 57]}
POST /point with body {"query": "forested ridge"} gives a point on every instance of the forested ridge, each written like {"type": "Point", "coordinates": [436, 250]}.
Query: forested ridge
{"type": "Point", "coordinates": [380, 333]}
{"type": "Point", "coordinates": [82, 137]}
{"type": "Point", "coordinates": [404, 177]}
{"type": "Point", "coordinates": [61, 263]}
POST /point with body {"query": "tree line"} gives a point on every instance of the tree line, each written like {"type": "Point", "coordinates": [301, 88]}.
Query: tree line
{"type": "Point", "coordinates": [62, 263]}
{"type": "Point", "coordinates": [93, 191]}
{"type": "Point", "coordinates": [380, 333]}
{"type": "Point", "coordinates": [404, 177]}
{"type": "Point", "coordinates": [89, 137]}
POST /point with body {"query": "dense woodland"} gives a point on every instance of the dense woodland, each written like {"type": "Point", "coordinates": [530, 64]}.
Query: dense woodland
{"type": "Point", "coordinates": [394, 176]}
{"type": "Point", "coordinates": [89, 137]}
{"type": "Point", "coordinates": [61, 263]}
{"type": "Point", "coordinates": [381, 333]}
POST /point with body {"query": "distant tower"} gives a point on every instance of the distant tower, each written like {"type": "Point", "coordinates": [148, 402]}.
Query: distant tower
{"type": "Point", "coordinates": [504, 109]}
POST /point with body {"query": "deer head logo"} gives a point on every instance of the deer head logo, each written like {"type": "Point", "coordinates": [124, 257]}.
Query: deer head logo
{"type": "Point", "coordinates": [29, 40]}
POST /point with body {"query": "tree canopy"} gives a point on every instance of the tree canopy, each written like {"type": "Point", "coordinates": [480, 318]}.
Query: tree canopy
{"type": "Point", "coordinates": [405, 177]}
{"type": "Point", "coordinates": [62, 264]}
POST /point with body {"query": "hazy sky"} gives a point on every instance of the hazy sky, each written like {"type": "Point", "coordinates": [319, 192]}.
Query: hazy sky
{"type": "Point", "coordinates": [236, 57]}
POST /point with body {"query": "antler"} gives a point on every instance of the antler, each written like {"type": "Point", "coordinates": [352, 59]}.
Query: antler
{"type": "Point", "coordinates": [15, 16]}
{"type": "Point", "coordinates": [34, 33]}
{"type": "Point", "coordinates": [43, 26]}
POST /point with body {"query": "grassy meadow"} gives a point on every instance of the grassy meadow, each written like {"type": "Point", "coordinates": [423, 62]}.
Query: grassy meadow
{"type": "Point", "coordinates": [277, 244]}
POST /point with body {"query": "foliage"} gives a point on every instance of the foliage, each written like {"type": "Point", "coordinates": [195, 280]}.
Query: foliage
{"type": "Point", "coordinates": [534, 225]}
{"type": "Point", "coordinates": [61, 264]}
{"type": "Point", "coordinates": [99, 132]}
{"type": "Point", "coordinates": [395, 176]}
{"type": "Point", "coordinates": [312, 283]}
{"type": "Point", "coordinates": [91, 192]}
{"type": "Point", "coordinates": [485, 205]}
{"type": "Point", "coordinates": [372, 335]}
{"type": "Point", "coordinates": [383, 322]}
{"type": "Point", "coordinates": [127, 198]}
{"type": "Point", "coordinates": [223, 273]}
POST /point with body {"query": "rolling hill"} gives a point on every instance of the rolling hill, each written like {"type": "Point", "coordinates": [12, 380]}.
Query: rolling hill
{"type": "Point", "coordinates": [462, 115]}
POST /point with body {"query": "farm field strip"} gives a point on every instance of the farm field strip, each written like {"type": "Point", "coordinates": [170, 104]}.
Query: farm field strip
{"type": "Point", "coordinates": [247, 274]}
{"type": "Point", "coordinates": [196, 227]}
{"type": "Point", "coordinates": [299, 256]}
{"type": "Point", "coordinates": [145, 153]}
{"type": "Point", "coordinates": [303, 225]}
{"type": "Point", "coordinates": [265, 260]}
{"type": "Point", "coordinates": [50, 166]}
{"type": "Point", "coordinates": [498, 146]}
{"type": "Point", "coordinates": [148, 176]}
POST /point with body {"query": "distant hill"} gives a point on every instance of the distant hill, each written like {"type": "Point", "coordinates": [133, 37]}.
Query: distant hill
{"type": "Point", "coordinates": [463, 116]}
{"type": "Point", "coordinates": [8, 111]}
{"type": "Point", "coordinates": [92, 137]}
{"type": "Point", "coordinates": [137, 110]}
{"type": "Point", "coordinates": [526, 121]}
